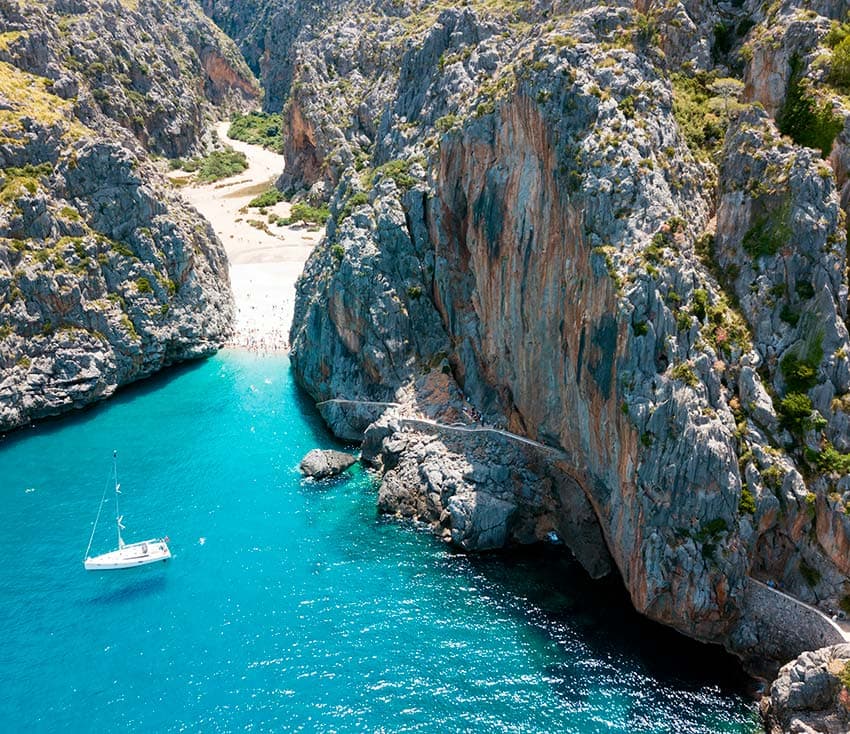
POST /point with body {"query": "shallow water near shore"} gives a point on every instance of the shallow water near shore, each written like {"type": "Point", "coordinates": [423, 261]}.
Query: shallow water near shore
{"type": "Point", "coordinates": [290, 605]}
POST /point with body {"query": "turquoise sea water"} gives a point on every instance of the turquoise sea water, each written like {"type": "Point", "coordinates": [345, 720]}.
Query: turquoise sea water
{"type": "Point", "coordinates": [290, 605]}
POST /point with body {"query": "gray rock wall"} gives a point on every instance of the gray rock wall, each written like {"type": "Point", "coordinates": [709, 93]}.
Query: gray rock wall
{"type": "Point", "coordinates": [782, 627]}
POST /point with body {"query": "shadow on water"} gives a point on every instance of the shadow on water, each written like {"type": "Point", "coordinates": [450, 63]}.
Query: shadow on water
{"type": "Point", "coordinates": [130, 588]}
{"type": "Point", "coordinates": [52, 424]}
{"type": "Point", "coordinates": [568, 606]}
{"type": "Point", "coordinates": [321, 433]}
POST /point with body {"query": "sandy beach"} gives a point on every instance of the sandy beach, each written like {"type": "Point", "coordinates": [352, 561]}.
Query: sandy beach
{"type": "Point", "coordinates": [265, 258]}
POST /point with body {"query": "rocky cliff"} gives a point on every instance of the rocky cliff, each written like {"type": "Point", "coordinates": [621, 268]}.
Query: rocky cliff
{"type": "Point", "coordinates": [105, 274]}
{"type": "Point", "coordinates": [618, 231]}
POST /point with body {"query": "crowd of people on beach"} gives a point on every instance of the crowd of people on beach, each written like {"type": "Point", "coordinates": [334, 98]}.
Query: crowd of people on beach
{"type": "Point", "coordinates": [262, 332]}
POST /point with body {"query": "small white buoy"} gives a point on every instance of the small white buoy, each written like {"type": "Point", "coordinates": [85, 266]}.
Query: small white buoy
{"type": "Point", "coordinates": [201, 541]}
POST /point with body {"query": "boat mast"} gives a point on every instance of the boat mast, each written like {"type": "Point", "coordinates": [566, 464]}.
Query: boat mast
{"type": "Point", "coordinates": [117, 492]}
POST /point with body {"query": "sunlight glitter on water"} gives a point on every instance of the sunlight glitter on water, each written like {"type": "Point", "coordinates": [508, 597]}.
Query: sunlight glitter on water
{"type": "Point", "coordinates": [291, 605]}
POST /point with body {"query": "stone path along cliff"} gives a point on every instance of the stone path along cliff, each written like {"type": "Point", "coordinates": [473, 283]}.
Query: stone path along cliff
{"type": "Point", "coordinates": [265, 258]}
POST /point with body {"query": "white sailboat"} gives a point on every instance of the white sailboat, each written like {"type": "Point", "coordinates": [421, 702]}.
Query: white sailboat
{"type": "Point", "coordinates": [125, 556]}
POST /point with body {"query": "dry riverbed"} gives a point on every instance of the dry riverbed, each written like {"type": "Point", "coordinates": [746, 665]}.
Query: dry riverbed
{"type": "Point", "coordinates": [265, 258]}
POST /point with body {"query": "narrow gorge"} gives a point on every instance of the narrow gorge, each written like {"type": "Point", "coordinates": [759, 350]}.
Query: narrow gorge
{"type": "Point", "coordinates": [582, 275]}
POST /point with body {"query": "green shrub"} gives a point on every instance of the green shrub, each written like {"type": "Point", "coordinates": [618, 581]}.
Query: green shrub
{"type": "Point", "coordinates": [640, 328]}
{"type": "Point", "coordinates": [143, 285]}
{"type": "Point", "coordinates": [844, 675]}
{"type": "Point", "coordinates": [122, 249]}
{"type": "Point", "coordinates": [768, 234]}
{"type": "Point", "coordinates": [747, 503]}
{"type": "Point", "coordinates": [257, 128]}
{"type": "Point", "coordinates": [805, 290]}
{"type": "Point", "coordinates": [684, 372]}
{"type": "Point", "coordinates": [839, 70]}
{"type": "Point", "coordinates": [831, 461]}
{"type": "Point", "coordinates": [220, 164]}
{"type": "Point", "coordinates": [804, 119]}
{"type": "Point", "coordinates": [801, 374]}
{"type": "Point", "coordinates": [267, 198]}
{"type": "Point", "coordinates": [414, 292]}
{"type": "Point", "coordinates": [353, 201]}
{"type": "Point", "coordinates": [699, 308]}
{"type": "Point", "coordinates": [301, 212]}
{"type": "Point", "coordinates": [795, 412]}
{"type": "Point", "coordinates": [338, 252]}
{"type": "Point", "coordinates": [772, 476]}
{"type": "Point", "coordinates": [447, 122]}
{"type": "Point", "coordinates": [399, 171]}
{"type": "Point", "coordinates": [702, 127]}
{"type": "Point", "coordinates": [789, 314]}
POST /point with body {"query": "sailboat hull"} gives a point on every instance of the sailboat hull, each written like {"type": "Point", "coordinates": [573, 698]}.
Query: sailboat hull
{"type": "Point", "coordinates": [130, 556]}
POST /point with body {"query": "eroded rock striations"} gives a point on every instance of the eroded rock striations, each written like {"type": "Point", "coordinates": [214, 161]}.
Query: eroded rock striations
{"type": "Point", "coordinates": [575, 214]}
{"type": "Point", "coordinates": [105, 275]}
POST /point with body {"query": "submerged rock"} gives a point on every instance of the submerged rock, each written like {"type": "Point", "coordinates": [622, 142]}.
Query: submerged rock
{"type": "Point", "coordinates": [323, 463]}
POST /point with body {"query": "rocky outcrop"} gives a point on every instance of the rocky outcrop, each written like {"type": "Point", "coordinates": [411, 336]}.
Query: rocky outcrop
{"type": "Point", "coordinates": [154, 70]}
{"type": "Point", "coordinates": [811, 694]}
{"type": "Point", "coordinates": [537, 226]}
{"type": "Point", "coordinates": [105, 275]}
{"type": "Point", "coordinates": [323, 463]}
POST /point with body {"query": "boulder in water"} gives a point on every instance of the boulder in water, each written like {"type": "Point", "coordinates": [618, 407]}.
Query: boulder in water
{"type": "Point", "coordinates": [811, 694]}
{"type": "Point", "coordinates": [322, 463]}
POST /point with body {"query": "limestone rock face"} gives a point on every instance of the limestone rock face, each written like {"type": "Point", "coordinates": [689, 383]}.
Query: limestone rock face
{"type": "Point", "coordinates": [808, 696]}
{"type": "Point", "coordinates": [541, 228]}
{"type": "Point", "coordinates": [323, 463]}
{"type": "Point", "coordinates": [105, 275]}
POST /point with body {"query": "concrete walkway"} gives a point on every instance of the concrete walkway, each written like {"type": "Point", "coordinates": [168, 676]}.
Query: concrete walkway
{"type": "Point", "coordinates": [425, 423]}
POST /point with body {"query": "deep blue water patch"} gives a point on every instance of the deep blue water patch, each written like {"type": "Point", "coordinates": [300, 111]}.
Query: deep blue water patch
{"type": "Point", "coordinates": [290, 605]}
